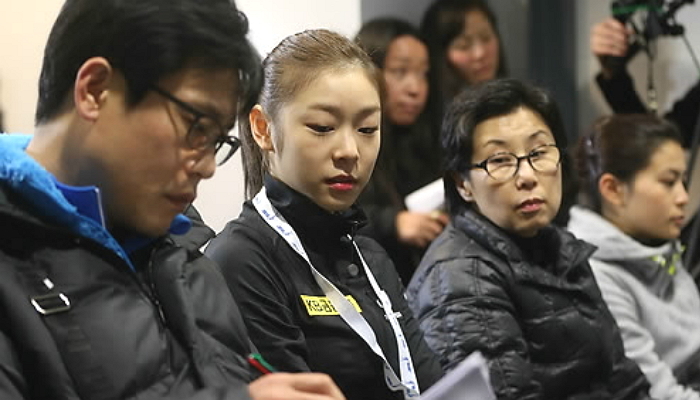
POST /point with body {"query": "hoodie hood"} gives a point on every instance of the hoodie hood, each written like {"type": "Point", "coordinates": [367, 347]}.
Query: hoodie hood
{"type": "Point", "coordinates": [612, 243]}
{"type": "Point", "coordinates": [655, 266]}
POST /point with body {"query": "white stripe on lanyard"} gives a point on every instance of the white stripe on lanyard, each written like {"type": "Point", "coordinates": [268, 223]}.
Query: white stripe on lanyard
{"type": "Point", "coordinates": [408, 384]}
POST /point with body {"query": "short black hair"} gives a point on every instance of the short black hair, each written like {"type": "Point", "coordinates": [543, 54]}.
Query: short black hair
{"type": "Point", "coordinates": [477, 104]}
{"type": "Point", "coordinates": [145, 40]}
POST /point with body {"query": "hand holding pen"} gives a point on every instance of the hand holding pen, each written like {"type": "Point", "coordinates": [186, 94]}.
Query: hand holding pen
{"type": "Point", "coordinates": [259, 363]}
{"type": "Point", "coordinates": [290, 386]}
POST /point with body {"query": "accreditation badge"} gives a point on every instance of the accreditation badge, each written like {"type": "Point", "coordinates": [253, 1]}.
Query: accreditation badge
{"type": "Point", "coordinates": [322, 305]}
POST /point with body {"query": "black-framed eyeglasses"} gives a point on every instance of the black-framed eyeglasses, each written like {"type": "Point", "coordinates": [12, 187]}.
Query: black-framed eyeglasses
{"type": "Point", "coordinates": [504, 166]}
{"type": "Point", "coordinates": [205, 133]}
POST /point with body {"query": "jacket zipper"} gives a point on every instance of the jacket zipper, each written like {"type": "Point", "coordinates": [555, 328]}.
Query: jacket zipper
{"type": "Point", "coordinates": [354, 258]}
{"type": "Point", "coordinates": [152, 286]}
{"type": "Point", "coordinates": [147, 289]}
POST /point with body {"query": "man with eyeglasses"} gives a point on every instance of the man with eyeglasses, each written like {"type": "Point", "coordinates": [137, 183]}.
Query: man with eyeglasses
{"type": "Point", "coordinates": [136, 100]}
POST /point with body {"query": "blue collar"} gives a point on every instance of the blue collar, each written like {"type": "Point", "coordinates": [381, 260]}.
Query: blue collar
{"type": "Point", "coordinates": [76, 208]}
{"type": "Point", "coordinates": [86, 199]}
{"type": "Point", "coordinates": [88, 202]}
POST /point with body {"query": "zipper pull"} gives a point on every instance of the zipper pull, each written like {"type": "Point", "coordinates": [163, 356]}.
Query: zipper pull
{"type": "Point", "coordinates": [153, 295]}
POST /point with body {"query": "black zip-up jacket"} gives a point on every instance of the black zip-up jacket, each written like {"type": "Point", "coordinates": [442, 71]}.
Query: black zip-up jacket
{"type": "Point", "coordinates": [170, 331]}
{"type": "Point", "coordinates": [531, 307]}
{"type": "Point", "coordinates": [269, 281]}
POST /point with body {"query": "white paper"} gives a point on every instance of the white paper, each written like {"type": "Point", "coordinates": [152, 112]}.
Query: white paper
{"type": "Point", "coordinates": [430, 197]}
{"type": "Point", "coordinates": [468, 381]}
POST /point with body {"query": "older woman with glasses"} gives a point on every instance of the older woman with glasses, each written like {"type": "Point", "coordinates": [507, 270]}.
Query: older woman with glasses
{"type": "Point", "coordinates": [501, 279]}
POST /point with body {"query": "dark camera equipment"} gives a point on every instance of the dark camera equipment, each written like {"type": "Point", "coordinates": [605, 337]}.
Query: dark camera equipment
{"type": "Point", "coordinates": [661, 15]}
{"type": "Point", "coordinates": [660, 21]}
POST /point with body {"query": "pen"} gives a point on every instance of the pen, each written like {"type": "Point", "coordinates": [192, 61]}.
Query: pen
{"type": "Point", "coordinates": [257, 361]}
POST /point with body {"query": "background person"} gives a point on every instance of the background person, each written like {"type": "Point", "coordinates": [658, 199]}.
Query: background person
{"type": "Point", "coordinates": [96, 302]}
{"type": "Point", "coordinates": [632, 170]}
{"type": "Point", "coordinates": [501, 279]}
{"type": "Point", "coordinates": [409, 157]}
{"type": "Point", "coordinates": [611, 38]}
{"type": "Point", "coordinates": [291, 258]}
{"type": "Point", "coordinates": [465, 46]}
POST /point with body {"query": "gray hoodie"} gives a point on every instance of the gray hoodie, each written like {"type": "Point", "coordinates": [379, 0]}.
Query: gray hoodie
{"type": "Point", "coordinates": [653, 299]}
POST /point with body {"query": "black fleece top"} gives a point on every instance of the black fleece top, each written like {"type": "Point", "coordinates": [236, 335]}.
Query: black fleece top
{"type": "Point", "coordinates": [285, 310]}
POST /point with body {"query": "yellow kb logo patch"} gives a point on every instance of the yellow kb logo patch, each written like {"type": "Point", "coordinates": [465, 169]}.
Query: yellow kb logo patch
{"type": "Point", "coordinates": [322, 305]}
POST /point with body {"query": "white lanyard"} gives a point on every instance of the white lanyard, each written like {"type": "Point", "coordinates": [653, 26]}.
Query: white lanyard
{"type": "Point", "coordinates": [408, 382]}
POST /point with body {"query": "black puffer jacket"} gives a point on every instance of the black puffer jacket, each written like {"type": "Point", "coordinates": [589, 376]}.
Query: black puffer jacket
{"type": "Point", "coordinates": [170, 331]}
{"type": "Point", "coordinates": [543, 327]}
{"type": "Point", "coordinates": [286, 311]}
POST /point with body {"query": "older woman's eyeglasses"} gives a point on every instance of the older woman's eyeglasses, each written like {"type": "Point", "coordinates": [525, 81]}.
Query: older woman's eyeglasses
{"type": "Point", "coordinates": [205, 133]}
{"type": "Point", "coordinates": [504, 166]}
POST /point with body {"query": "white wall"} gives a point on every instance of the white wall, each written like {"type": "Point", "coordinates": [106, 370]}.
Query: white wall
{"type": "Point", "coordinates": [25, 27]}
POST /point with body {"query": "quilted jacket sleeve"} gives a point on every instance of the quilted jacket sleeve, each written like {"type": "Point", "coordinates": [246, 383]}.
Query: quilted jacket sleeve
{"type": "Point", "coordinates": [463, 307]}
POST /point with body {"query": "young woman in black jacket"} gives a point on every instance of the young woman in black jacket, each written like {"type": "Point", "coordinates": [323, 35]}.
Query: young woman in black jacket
{"type": "Point", "coordinates": [315, 296]}
{"type": "Point", "coordinates": [409, 157]}
{"type": "Point", "coordinates": [501, 279]}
